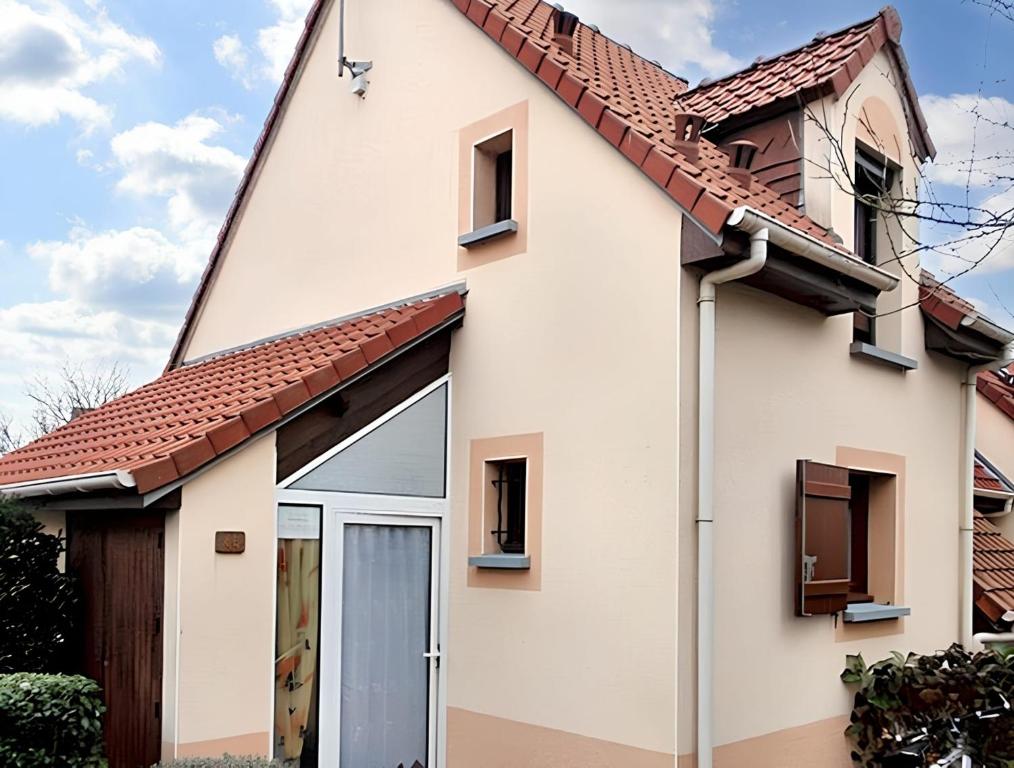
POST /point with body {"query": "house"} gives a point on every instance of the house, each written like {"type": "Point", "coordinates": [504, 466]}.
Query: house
{"type": "Point", "coordinates": [536, 409]}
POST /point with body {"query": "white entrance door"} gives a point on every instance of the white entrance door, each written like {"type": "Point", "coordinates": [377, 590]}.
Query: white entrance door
{"type": "Point", "coordinates": [380, 656]}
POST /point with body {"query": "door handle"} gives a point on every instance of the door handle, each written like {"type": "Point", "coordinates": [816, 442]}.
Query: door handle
{"type": "Point", "coordinates": [433, 655]}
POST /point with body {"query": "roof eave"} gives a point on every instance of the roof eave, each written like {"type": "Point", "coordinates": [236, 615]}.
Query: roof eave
{"type": "Point", "coordinates": [117, 479]}
{"type": "Point", "coordinates": [750, 220]}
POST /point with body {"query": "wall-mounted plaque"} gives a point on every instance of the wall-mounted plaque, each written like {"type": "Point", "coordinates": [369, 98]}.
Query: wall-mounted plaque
{"type": "Point", "coordinates": [230, 542]}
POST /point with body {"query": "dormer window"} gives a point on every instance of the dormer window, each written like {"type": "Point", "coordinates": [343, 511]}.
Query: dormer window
{"type": "Point", "coordinates": [873, 180]}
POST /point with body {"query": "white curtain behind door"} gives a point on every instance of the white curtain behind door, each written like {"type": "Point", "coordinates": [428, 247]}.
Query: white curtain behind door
{"type": "Point", "coordinates": [385, 632]}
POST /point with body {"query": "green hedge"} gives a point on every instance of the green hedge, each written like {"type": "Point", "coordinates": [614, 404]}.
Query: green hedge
{"type": "Point", "coordinates": [906, 695]}
{"type": "Point", "coordinates": [37, 602]}
{"type": "Point", "coordinates": [227, 761]}
{"type": "Point", "coordinates": [50, 720]}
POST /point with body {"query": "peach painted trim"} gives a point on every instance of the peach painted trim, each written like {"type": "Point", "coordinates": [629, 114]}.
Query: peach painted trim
{"type": "Point", "coordinates": [509, 447]}
{"type": "Point", "coordinates": [255, 744]}
{"type": "Point", "coordinates": [820, 744]}
{"type": "Point", "coordinates": [875, 127]}
{"type": "Point", "coordinates": [476, 740]}
{"type": "Point", "coordinates": [511, 119]}
{"type": "Point", "coordinates": [887, 538]}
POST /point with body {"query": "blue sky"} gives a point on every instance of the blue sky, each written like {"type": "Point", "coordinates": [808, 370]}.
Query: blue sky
{"type": "Point", "coordinates": [124, 127]}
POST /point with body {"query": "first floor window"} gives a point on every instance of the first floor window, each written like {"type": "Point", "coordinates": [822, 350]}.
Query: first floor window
{"type": "Point", "coordinates": [508, 480]}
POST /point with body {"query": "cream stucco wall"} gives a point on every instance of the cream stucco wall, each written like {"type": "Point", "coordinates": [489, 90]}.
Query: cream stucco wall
{"type": "Point", "coordinates": [575, 338]}
{"type": "Point", "coordinates": [994, 438]}
{"type": "Point", "coordinates": [794, 392]}
{"type": "Point", "coordinates": [787, 389]}
{"type": "Point", "coordinates": [225, 625]}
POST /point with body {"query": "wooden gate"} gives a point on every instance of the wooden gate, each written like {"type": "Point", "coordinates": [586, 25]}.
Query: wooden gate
{"type": "Point", "coordinates": [119, 560]}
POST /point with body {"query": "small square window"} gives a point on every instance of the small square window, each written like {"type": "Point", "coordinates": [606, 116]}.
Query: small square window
{"type": "Point", "coordinates": [493, 188]}
{"type": "Point", "coordinates": [505, 512]}
{"type": "Point", "coordinates": [505, 505]}
{"type": "Point", "coordinates": [492, 183]}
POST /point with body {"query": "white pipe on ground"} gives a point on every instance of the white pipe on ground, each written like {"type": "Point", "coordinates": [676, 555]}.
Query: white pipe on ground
{"type": "Point", "coordinates": [966, 526]}
{"type": "Point", "coordinates": [706, 478]}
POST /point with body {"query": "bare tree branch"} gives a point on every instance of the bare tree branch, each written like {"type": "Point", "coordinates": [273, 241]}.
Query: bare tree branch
{"type": "Point", "coordinates": [10, 438]}
{"type": "Point", "coordinates": [73, 390]}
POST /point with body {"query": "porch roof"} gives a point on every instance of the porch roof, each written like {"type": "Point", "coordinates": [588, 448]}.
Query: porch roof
{"type": "Point", "coordinates": [183, 420]}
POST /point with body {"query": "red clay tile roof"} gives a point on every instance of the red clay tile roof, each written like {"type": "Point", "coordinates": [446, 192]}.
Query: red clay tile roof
{"type": "Point", "coordinates": [993, 567]}
{"type": "Point", "coordinates": [998, 388]}
{"type": "Point", "coordinates": [826, 65]}
{"type": "Point", "coordinates": [987, 480]}
{"type": "Point", "coordinates": [183, 420]}
{"type": "Point", "coordinates": [628, 100]}
{"type": "Point", "coordinates": [940, 303]}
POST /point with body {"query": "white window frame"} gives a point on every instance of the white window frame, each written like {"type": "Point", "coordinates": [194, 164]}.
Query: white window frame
{"type": "Point", "coordinates": [338, 509]}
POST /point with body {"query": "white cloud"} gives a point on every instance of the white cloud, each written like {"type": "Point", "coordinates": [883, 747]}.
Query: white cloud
{"type": "Point", "coordinates": [274, 48]}
{"type": "Point", "coordinates": [973, 135]}
{"type": "Point", "coordinates": [675, 32]}
{"type": "Point", "coordinates": [149, 271]}
{"type": "Point", "coordinates": [49, 56]}
{"type": "Point", "coordinates": [982, 250]}
{"type": "Point", "coordinates": [137, 270]}
{"type": "Point", "coordinates": [231, 54]}
{"type": "Point", "coordinates": [178, 163]}
{"type": "Point", "coordinates": [975, 150]}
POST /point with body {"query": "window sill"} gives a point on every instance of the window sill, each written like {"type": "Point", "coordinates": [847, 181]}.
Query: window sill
{"type": "Point", "coordinates": [488, 233]}
{"type": "Point", "coordinates": [879, 355]}
{"type": "Point", "coordinates": [857, 613]}
{"type": "Point", "coordinates": [502, 562]}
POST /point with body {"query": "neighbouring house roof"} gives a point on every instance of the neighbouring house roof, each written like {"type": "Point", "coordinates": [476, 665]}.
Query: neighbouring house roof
{"type": "Point", "coordinates": [826, 65]}
{"type": "Point", "coordinates": [183, 420]}
{"type": "Point", "coordinates": [993, 567]}
{"type": "Point", "coordinates": [955, 327]}
{"type": "Point", "coordinates": [989, 478]}
{"type": "Point", "coordinates": [626, 98]}
{"type": "Point", "coordinates": [998, 388]}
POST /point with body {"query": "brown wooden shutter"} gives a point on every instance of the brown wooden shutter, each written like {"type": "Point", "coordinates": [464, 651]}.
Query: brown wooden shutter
{"type": "Point", "coordinates": [823, 532]}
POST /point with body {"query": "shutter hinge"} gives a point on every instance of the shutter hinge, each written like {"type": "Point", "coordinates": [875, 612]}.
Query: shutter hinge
{"type": "Point", "coordinates": [158, 710]}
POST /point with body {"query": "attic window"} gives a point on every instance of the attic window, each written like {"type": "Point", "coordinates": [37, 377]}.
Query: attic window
{"type": "Point", "coordinates": [873, 180]}
{"type": "Point", "coordinates": [492, 190]}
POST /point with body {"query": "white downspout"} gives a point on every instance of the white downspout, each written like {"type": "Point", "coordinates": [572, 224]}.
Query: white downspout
{"type": "Point", "coordinates": [705, 483]}
{"type": "Point", "coordinates": [966, 528]}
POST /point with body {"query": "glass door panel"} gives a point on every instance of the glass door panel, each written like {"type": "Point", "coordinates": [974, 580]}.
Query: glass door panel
{"type": "Point", "coordinates": [386, 632]}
